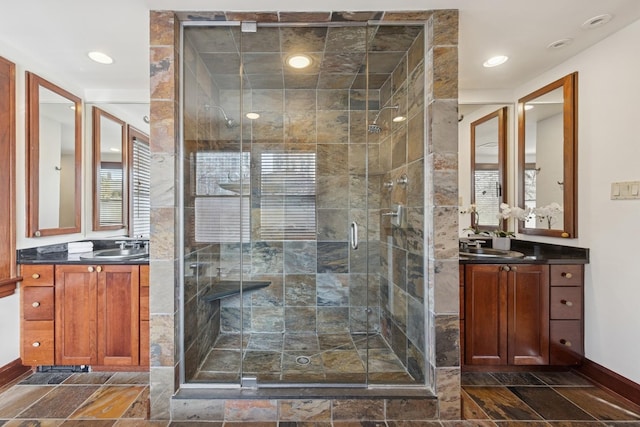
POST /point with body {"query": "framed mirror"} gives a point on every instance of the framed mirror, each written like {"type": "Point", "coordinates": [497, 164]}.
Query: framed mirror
{"type": "Point", "coordinates": [488, 168]}
{"type": "Point", "coordinates": [110, 178]}
{"type": "Point", "coordinates": [547, 158]}
{"type": "Point", "coordinates": [54, 159]}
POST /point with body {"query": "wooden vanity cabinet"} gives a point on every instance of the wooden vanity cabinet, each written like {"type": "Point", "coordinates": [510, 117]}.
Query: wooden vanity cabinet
{"type": "Point", "coordinates": [97, 315]}
{"type": "Point", "coordinates": [521, 314]}
{"type": "Point", "coordinates": [37, 305]}
{"type": "Point", "coordinates": [506, 313]}
{"type": "Point", "coordinates": [92, 313]}
{"type": "Point", "coordinates": [567, 312]}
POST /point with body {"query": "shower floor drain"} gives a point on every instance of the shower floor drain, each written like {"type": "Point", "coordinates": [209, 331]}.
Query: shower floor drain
{"type": "Point", "coordinates": [303, 360]}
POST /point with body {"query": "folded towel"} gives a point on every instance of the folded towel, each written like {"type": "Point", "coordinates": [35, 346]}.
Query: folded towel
{"type": "Point", "coordinates": [78, 247]}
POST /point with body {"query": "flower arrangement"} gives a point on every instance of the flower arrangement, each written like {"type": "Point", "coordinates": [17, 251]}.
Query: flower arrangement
{"type": "Point", "coordinates": [504, 213]}
{"type": "Point", "coordinates": [548, 213]}
{"type": "Point", "coordinates": [507, 212]}
{"type": "Point", "coordinates": [472, 209]}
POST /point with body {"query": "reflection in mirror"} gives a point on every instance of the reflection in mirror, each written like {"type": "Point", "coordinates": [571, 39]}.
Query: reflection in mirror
{"type": "Point", "coordinates": [53, 159]}
{"type": "Point", "coordinates": [488, 168]}
{"type": "Point", "coordinates": [547, 158]}
{"type": "Point", "coordinates": [110, 196]}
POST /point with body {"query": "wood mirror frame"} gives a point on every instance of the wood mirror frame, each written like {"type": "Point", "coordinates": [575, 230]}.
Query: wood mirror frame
{"type": "Point", "coordinates": [569, 87]}
{"type": "Point", "coordinates": [35, 225]}
{"type": "Point", "coordinates": [106, 158]}
{"type": "Point", "coordinates": [500, 165]}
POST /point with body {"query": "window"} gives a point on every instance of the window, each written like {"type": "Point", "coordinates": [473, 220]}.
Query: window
{"type": "Point", "coordinates": [222, 197]}
{"type": "Point", "coordinates": [140, 187]}
{"type": "Point", "coordinates": [288, 196]}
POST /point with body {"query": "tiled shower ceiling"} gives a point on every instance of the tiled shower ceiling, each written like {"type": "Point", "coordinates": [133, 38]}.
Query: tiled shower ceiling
{"type": "Point", "coordinates": [338, 55]}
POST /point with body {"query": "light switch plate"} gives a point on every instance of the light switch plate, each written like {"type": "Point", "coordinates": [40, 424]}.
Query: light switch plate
{"type": "Point", "coordinates": [625, 190]}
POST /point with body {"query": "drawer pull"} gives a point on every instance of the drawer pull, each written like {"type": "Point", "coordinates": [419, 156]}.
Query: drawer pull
{"type": "Point", "coordinates": [514, 268]}
{"type": "Point", "coordinates": [506, 268]}
{"type": "Point", "coordinates": [35, 304]}
{"type": "Point", "coordinates": [565, 342]}
{"type": "Point", "coordinates": [36, 344]}
{"type": "Point", "coordinates": [98, 269]}
{"type": "Point", "coordinates": [567, 303]}
{"type": "Point", "coordinates": [90, 269]}
{"type": "Point", "coordinates": [35, 276]}
{"type": "Point", "coordinates": [567, 275]}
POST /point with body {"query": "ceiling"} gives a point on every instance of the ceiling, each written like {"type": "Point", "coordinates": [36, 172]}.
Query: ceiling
{"type": "Point", "coordinates": [338, 55]}
{"type": "Point", "coordinates": [54, 36]}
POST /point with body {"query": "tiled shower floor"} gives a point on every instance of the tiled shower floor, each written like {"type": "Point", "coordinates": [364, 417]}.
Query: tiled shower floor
{"type": "Point", "coordinates": [308, 358]}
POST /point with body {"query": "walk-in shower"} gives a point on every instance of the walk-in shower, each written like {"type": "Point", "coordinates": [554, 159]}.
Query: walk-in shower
{"type": "Point", "coordinates": [275, 290]}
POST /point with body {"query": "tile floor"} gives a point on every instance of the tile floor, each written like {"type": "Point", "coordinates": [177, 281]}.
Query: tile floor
{"type": "Point", "coordinates": [275, 358]}
{"type": "Point", "coordinates": [551, 399]}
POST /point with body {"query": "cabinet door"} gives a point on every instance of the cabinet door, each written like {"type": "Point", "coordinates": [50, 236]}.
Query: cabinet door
{"type": "Point", "coordinates": [528, 311]}
{"type": "Point", "coordinates": [485, 300]}
{"type": "Point", "coordinates": [75, 308]}
{"type": "Point", "coordinates": [118, 315]}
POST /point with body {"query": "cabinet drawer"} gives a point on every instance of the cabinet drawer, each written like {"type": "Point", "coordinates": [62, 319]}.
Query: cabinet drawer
{"type": "Point", "coordinates": [37, 303]}
{"type": "Point", "coordinates": [37, 343]}
{"type": "Point", "coordinates": [566, 302]}
{"type": "Point", "coordinates": [565, 342]}
{"type": "Point", "coordinates": [36, 275]}
{"type": "Point", "coordinates": [566, 275]}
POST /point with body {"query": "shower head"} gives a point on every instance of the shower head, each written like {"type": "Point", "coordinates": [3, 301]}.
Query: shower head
{"type": "Point", "coordinates": [373, 126]}
{"type": "Point", "coordinates": [228, 122]}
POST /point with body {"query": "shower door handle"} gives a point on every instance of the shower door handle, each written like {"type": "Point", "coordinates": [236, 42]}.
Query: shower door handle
{"type": "Point", "coordinates": [354, 235]}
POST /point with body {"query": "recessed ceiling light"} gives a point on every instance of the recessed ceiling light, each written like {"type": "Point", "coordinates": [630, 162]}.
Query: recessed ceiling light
{"type": "Point", "coordinates": [252, 116]}
{"type": "Point", "coordinates": [558, 44]}
{"type": "Point", "coordinates": [100, 57]}
{"type": "Point", "coordinates": [399, 119]}
{"type": "Point", "coordinates": [299, 61]}
{"type": "Point", "coordinates": [495, 61]}
{"type": "Point", "coordinates": [596, 21]}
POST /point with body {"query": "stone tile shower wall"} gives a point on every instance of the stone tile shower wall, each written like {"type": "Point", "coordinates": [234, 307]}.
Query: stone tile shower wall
{"type": "Point", "coordinates": [311, 288]}
{"type": "Point", "coordinates": [440, 226]}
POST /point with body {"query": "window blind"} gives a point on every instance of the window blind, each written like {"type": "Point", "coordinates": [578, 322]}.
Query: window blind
{"type": "Point", "coordinates": [141, 189]}
{"type": "Point", "coordinates": [110, 193]}
{"type": "Point", "coordinates": [288, 196]}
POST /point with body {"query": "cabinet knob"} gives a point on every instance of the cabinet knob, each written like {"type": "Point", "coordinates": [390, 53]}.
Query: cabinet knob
{"type": "Point", "coordinates": [564, 234]}
{"type": "Point", "coordinates": [567, 275]}
{"type": "Point", "coordinates": [35, 276]}
{"type": "Point", "coordinates": [98, 269]}
{"type": "Point", "coordinates": [565, 342]}
{"type": "Point", "coordinates": [36, 344]}
{"type": "Point", "coordinates": [514, 268]}
{"type": "Point", "coordinates": [567, 303]}
{"type": "Point", "coordinates": [35, 304]}
{"type": "Point", "coordinates": [506, 268]}
{"type": "Point", "coordinates": [90, 269]}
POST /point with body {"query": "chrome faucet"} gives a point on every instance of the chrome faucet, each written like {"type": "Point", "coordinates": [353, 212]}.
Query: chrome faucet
{"type": "Point", "coordinates": [471, 243]}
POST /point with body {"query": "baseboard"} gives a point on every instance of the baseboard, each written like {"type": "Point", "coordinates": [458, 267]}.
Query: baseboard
{"type": "Point", "coordinates": [12, 371]}
{"type": "Point", "coordinates": [610, 380]}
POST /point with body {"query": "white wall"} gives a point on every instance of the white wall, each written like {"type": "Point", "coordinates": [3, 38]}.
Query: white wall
{"type": "Point", "coordinates": [608, 151]}
{"type": "Point", "coordinates": [9, 329]}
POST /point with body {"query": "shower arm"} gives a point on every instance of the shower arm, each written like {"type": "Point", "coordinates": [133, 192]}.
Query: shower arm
{"type": "Point", "coordinates": [208, 107]}
{"type": "Point", "coordinates": [375, 120]}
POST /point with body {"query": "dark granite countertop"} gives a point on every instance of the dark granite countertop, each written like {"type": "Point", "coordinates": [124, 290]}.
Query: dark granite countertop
{"type": "Point", "coordinates": [58, 254]}
{"type": "Point", "coordinates": [535, 253]}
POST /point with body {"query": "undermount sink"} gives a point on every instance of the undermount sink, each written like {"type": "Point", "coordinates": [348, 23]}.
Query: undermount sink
{"type": "Point", "coordinates": [489, 253]}
{"type": "Point", "coordinates": [117, 254]}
